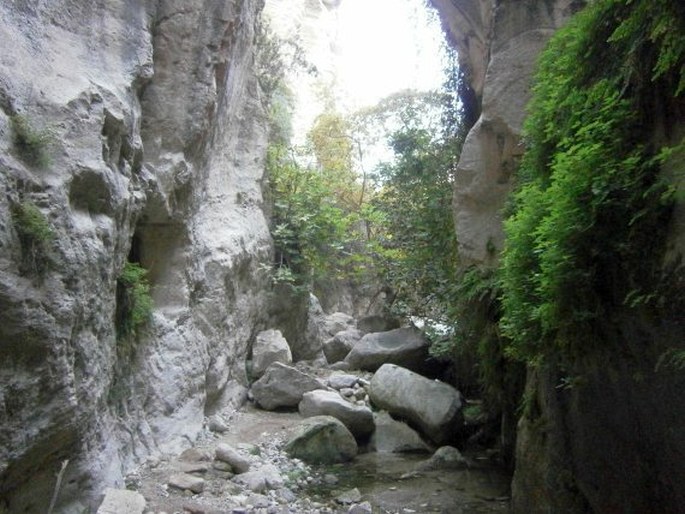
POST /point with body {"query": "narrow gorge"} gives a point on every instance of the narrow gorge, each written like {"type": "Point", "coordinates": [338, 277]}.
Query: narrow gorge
{"type": "Point", "coordinates": [146, 260]}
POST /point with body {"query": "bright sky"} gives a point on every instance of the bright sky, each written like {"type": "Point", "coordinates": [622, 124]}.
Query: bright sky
{"type": "Point", "coordinates": [387, 46]}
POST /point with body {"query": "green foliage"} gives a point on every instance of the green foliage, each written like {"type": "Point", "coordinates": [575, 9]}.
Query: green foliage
{"type": "Point", "coordinates": [314, 230]}
{"type": "Point", "coordinates": [31, 144]}
{"type": "Point", "coordinates": [134, 303]}
{"type": "Point", "coordinates": [35, 235]}
{"type": "Point", "coordinates": [588, 222]}
{"type": "Point", "coordinates": [417, 243]}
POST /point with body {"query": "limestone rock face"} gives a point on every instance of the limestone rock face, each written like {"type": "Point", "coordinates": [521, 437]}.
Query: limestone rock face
{"type": "Point", "coordinates": [156, 152]}
{"type": "Point", "coordinates": [498, 43]}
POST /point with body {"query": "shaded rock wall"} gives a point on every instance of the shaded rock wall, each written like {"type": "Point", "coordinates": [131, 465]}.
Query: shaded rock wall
{"type": "Point", "coordinates": [498, 43]}
{"type": "Point", "coordinates": [156, 154]}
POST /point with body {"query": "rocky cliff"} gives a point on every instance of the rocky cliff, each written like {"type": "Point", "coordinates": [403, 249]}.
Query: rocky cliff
{"type": "Point", "coordinates": [498, 43]}
{"type": "Point", "coordinates": [148, 119]}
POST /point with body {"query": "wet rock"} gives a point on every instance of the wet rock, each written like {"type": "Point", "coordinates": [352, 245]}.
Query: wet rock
{"type": "Point", "coordinates": [269, 346]}
{"type": "Point", "coordinates": [226, 453]}
{"type": "Point", "coordinates": [322, 440]}
{"type": "Point", "coordinates": [358, 419]}
{"type": "Point", "coordinates": [392, 436]}
{"type": "Point", "coordinates": [117, 501]}
{"type": "Point", "coordinates": [337, 347]}
{"type": "Point", "coordinates": [431, 406]}
{"type": "Point", "coordinates": [406, 347]}
{"type": "Point", "coordinates": [283, 386]}
{"type": "Point", "coordinates": [187, 482]}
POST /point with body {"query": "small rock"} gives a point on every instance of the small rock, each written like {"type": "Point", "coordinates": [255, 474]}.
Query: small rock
{"type": "Point", "coordinates": [222, 466]}
{"type": "Point", "coordinates": [230, 455]}
{"type": "Point", "coordinates": [217, 424]}
{"type": "Point", "coordinates": [347, 497]}
{"type": "Point", "coordinates": [445, 457]}
{"type": "Point", "coordinates": [347, 392]}
{"type": "Point", "coordinates": [119, 500]}
{"type": "Point", "coordinates": [191, 467]}
{"type": "Point", "coordinates": [342, 380]}
{"type": "Point", "coordinates": [187, 482]}
{"type": "Point", "coordinates": [361, 508]}
{"type": "Point", "coordinates": [340, 366]}
{"type": "Point", "coordinates": [195, 455]}
{"type": "Point", "coordinates": [330, 479]}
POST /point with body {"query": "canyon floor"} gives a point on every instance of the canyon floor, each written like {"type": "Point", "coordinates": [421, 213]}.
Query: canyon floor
{"type": "Point", "coordinates": [371, 483]}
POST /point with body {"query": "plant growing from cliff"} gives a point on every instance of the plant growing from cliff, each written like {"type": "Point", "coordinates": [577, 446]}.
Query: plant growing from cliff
{"type": "Point", "coordinates": [134, 303]}
{"type": "Point", "coordinates": [586, 235]}
{"type": "Point", "coordinates": [31, 144]}
{"type": "Point", "coordinates": [35, 236]}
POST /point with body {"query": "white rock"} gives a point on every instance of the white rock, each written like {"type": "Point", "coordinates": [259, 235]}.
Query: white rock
{"type": "Point", "coordinates": [120, 500]}
{"type": "Point", "coordinates": [269, 346]}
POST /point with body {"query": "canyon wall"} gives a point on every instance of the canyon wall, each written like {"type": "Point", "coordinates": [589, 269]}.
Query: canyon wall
{"type": "Point", "coordinates": [596, 437]}
{"type": "Point", "coordinates": [154, 148]}
{"type": "Point", "coordinates": [498, 43]}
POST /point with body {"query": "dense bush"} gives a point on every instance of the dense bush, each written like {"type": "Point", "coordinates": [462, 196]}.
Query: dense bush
{"type": "Point", "coordinates": [587, 230]}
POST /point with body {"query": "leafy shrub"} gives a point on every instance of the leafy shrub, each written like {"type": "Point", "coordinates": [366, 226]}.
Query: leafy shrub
{"type": "Point", "coordinates": [134, 303]}
{"type": "Point", "coordinates": [31, 144]}
{"type": "Point", "coordinates": [35, 236]}
{"type": "Point", "coordinates": [587, 231]}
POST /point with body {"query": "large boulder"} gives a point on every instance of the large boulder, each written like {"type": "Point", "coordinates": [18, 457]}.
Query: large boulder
{"type": "Point", "coordinates": [322, 440]}
{"type": "Point", "coordinates": [337, 347]}
{"type": "Point", "coordinates": [357, 418]}
{"type": "Point", "coordinates": [431, 406]}
{"type": "Point", "coordinates": [392, 436]}
{"type": "Point", "coordinates": [406, 347]}
{"type": "Point", "coordinates": [269, 346]}
{"type": "Point", "coordinates": [283, 386]}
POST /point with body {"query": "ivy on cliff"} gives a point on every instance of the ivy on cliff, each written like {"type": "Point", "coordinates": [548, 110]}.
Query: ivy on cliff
{"type": "Point", "coordinates": [586, 234]}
